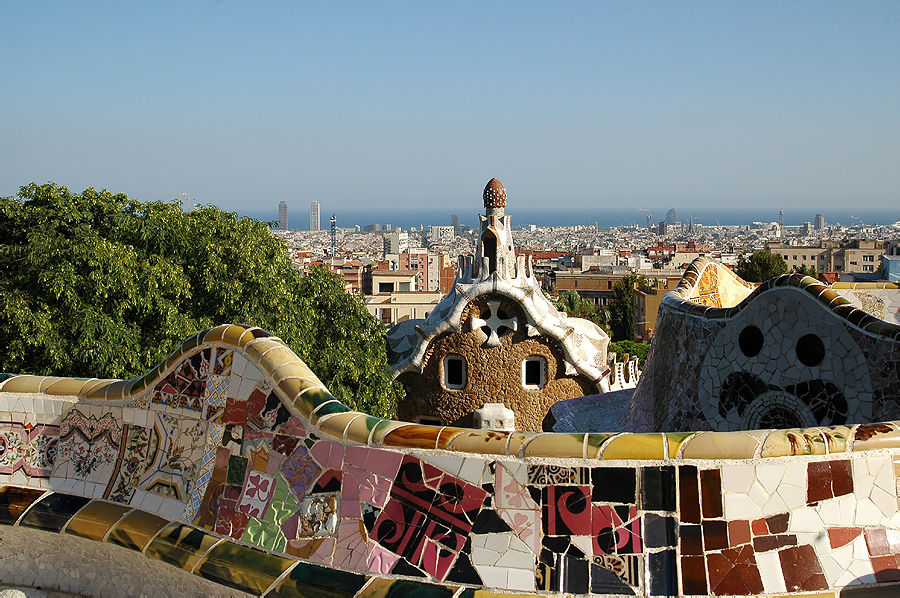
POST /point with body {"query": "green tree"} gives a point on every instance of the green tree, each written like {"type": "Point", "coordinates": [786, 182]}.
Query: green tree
{"type": "Point", "coordinates": [621, 308]}
{"type": "Point", "coordinates": [576, 306]}
{"type": "Point", "coordinates": [98, 284]}
{"type": "Point", "coordinates": [806, 271]}
{"type": "Point", "coordinates": [638, 350]}
{"type": "Point", "coordinates": [761, 266]}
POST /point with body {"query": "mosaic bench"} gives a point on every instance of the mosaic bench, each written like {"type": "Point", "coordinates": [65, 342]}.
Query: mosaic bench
{"type": "Point", "coordinates": [231, 464]}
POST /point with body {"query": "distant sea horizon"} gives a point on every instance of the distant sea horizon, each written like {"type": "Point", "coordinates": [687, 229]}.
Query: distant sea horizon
{"type": "Point", "coordinates": [605, 218]}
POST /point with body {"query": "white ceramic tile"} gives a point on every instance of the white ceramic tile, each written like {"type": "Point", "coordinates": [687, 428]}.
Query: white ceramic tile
{"type": "Point", "coordinates": [770, 571]}
{"type": "Point", "coordinates": [737, 478]}
{"type": "Point", "coordinates": [740, 506]}
{"type": "Point", "coordinates": [769, 476]}
{"type": "Point", "coordinates": [867, 513]}
{"type": "Point", "coordinates": [805, 520]}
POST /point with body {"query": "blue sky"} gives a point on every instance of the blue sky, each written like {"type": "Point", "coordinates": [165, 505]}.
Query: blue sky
{"type": "Point", "coordinates": [782, 104]}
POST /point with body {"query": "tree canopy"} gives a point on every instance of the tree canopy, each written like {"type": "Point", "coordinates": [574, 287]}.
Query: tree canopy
{"type": "Point", "coordinates": [761, 266]}
{"type": "Point", "coordinates": [574, 305]}
{"type": "Point", "coordinates": [98, 284]}
{"type": "Point", "coordinates": [621, 308]}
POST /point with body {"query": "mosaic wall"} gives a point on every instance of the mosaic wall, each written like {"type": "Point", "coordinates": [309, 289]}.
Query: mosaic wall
{"type": "Point", "coordinates": [791, 353]}
{"type": "Point", "coordinates": [879, 299]}
{"type": "Point", "coordinates": [231, 462]}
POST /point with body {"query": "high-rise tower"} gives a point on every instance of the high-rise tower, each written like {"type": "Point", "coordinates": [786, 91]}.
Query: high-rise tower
{"type": "Point", "coordinates": [282, 216]}
{"type": "Point", "coordinates": [781, 218]}
{"type": "Point", "coordinates": [820, 221]}
{"type": "Point", "coordinates": [314, 222]}
{"type": "Point", "coordinates": [670, 217]}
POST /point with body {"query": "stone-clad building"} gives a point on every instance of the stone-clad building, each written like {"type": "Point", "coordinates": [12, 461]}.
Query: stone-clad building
{"type": "Point", "coordinates": [495, 338]}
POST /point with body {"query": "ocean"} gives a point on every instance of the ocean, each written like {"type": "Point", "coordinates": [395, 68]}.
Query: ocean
{"type": "Point", "coordinates": [604, 217]}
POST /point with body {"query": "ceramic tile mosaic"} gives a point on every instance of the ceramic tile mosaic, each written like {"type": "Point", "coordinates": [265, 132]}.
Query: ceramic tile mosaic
{"type": "Point", "coordinates": [789, 354]}
{"type": "Point", "coordinates": [245, 492]}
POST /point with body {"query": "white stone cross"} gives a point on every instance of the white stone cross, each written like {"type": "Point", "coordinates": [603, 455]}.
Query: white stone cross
{"type": "Point", "coordinates": [494, 323]}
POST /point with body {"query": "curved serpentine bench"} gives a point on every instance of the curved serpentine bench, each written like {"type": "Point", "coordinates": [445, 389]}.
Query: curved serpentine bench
{"type": "Point", "coordinates": [231, 462]}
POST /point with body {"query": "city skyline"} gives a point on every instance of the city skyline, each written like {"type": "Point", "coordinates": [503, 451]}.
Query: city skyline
{"type": "Point", "coordinates": [389, 106]}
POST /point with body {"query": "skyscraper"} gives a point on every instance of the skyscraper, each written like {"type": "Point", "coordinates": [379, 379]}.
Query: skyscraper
{"type": "Point", "coordinates": [820, 221]}
{"type": "Point", "coordinates": [314, 222]}
{"type": "Point", "coordinates": [781, 218]}
{"type": "Point", "coordinates": [670, 217]}
{"type": "Point", "coordinates": [282, 216]}
{"type": "Point", "coordinates": [454, 221]}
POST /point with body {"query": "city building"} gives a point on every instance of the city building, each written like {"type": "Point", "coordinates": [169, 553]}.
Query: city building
{"type": "Point", "coordinates": [395, 242]}
{"type": "Point", "coordinates": [596, 285]}
{"type": "Point", "coordinates": [820, 222]}
{"type": "Point", "coordinates": [495, 338]}
{"type": "Point", "coordinates": [853, 256]}
{"type": "Point", "coordinates": [434, 271]}
{"type": "Point", "coordinates": [394, 297]}
{"type": "Point", "coordinates": [454, 221]}
{"type": "Point", "coordinates": [671, 217]}
{"type": "Point", "coordinates": [441, 234]}
{"type": "Point", "coordinates": [315, 220]}
{"type": "Point", "coordinates": [282, 215]}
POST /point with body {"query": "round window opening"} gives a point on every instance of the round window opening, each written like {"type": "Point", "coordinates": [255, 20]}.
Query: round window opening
{"type": "Point", "coordinates": [810, 350]}
{"type": "Point", "coordinates": [751, 341]}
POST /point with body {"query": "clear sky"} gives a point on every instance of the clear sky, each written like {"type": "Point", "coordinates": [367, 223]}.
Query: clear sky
{"type": "Point", "coordinates": [375, 104]}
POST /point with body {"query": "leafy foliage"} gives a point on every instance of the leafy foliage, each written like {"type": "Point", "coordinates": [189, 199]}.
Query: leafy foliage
{"type": "Point", "coordinates": [761, 266]}
{"type": "Point", "coordinates": [574, 305]}
{"type": "Point", "coordinates": [638, 350]}
{"type": "Point", "coordinates": [806, 270]}
{"type": "Point", "coordinates": [621, 308]}
{"type": "Point", "coordinates": [97, 284]}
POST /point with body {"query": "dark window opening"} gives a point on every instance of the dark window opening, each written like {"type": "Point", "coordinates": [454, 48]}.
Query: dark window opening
{"type": "Point", "coordinates": [489, 249]}
{"type": "Point", "coordinates": [385, 287]}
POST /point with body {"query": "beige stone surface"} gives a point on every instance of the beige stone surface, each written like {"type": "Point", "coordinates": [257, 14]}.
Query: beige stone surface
{"type": "Point", "coordinates": [56, 563]}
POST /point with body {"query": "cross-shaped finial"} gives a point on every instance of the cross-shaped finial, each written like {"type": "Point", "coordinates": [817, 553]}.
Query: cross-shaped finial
{"type": "Point", "coordinates": [494, 323]}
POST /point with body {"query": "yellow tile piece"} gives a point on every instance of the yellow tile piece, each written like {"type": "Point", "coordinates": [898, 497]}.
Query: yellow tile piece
{"type": "Point", "coordinates": [334, 425]}
{"type": "Point", "coordinates": [97, 392]}
{"type": "Point", "coordinates": [66, 387]}
{"type": "Point", "coordinates": [23, 383]}
{"type": "Point", "coordinates": [382, 429]}
{"type": "Point", "coordinates": [482, 442]}
{"type": "Point", "coordinates": [358, 430]}
{"type": "Point", "coordinates": [799, 441]}
{"type": "Point", "coordinates": [556, 445]}
{"type": "Point", "coordinates": [181, 545]}
{"type": "Point", "coordinates": [517, 440]}
{"type": "Point", "coordinates": [294, 369]}
{"type": "Point", "coordinates": [232, 335]}
{"type": "Point", "coordinates": [836, 438]}
{"type": "Point", "coordinates": [723, 445]}
{"type": "Point", "coordinates": [136, 529]}
{"type": "Point", "coordinates": [876, 436]}
{"type": "Point", "coordinates": [278, 356]}
{"type": "Point", "coordinates": [594, 445]}
{"type": "Point", "coordinates": [258, 347]}
{"type": "Point", "coordinates": [635, 446]}
{"type": "Point", "coordinates": [292, 387]}
{"type": "Point", "coordinates": [413, 436]}
{"type": "Point", "coordinates": [215, 335]}
{"type": "Point", "coordinates": [95, 519]}
{"type": "Point", "coordinates": [675, 441]}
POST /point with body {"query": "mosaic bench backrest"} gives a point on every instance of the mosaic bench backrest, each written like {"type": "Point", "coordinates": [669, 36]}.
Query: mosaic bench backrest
{"type": "Point", "coordinates": [791, 353]}
{"type": "Point", "coordinates": [232, 462]}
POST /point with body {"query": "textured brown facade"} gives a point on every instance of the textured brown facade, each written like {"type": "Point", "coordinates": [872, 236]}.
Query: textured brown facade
{"type": "Point", "coordinates": [493, 374]}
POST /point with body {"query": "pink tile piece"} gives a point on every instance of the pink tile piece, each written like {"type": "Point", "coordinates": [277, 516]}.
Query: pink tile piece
{"type": "Point", "coordinates": [375, 490]}
{"type": "Point", "coordinates": [381, 560]}
{"type": "Point", "coordinates": [293, 427]}
{"type": "Point", "coordinates": [325, 553]}
{"type": "Point", "coordinates": [384, 463]}
{"type": "Point", "coordinates": [328, 454]}
{"type": "Point", "coordinates": [350, 551]}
